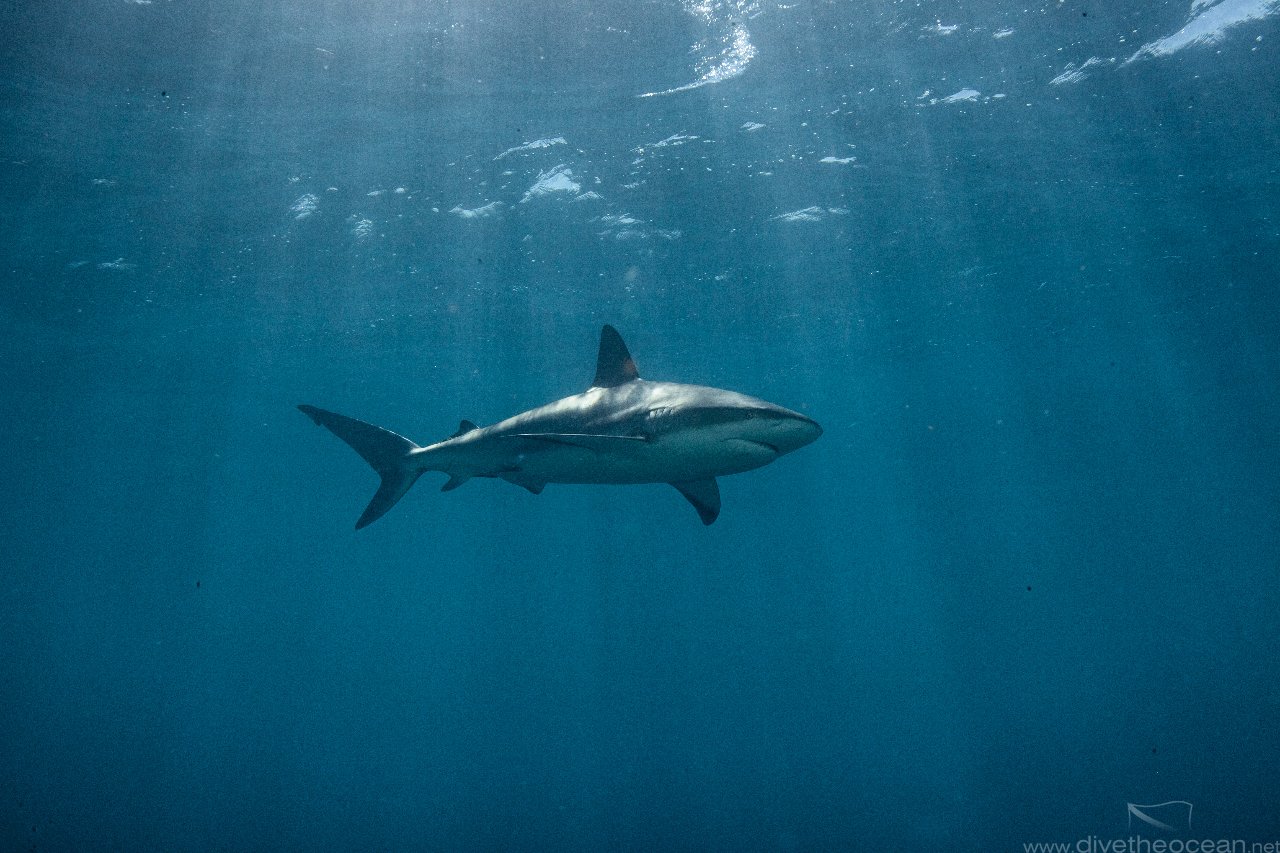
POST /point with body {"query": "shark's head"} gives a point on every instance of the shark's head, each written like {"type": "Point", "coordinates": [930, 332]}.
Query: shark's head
{"type": "Point", "coordinates": [725, 416]}
{"type": "Point", "coordinates": [777, 427]}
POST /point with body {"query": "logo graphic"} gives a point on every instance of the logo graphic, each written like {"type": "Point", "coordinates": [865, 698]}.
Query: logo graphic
{"type": "Point", "coordinates": [1173, 816]}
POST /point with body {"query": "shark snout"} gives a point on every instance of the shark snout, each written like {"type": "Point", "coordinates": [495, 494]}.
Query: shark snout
{"type": "Point", "coordinates": [781, 429]}
{"type": "Point", "coordinates": [797, 431]}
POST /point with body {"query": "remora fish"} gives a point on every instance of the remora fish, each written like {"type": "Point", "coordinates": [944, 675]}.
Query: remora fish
{"type": "Point", "coordinates": [621, 430]}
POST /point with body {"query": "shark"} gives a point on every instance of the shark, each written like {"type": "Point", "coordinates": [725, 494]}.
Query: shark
{"type": "Point", "coordinates": [622, 430]}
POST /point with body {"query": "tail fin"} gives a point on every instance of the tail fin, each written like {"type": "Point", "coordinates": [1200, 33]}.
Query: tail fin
{"type": "Point", "coordinates": [387, 452]}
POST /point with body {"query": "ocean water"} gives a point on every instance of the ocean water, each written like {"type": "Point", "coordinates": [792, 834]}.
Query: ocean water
{"type": "Point", "coordinates": [1021, 263]}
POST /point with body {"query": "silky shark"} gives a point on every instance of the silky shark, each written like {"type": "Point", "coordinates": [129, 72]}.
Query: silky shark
{"type": "Point", "coordinates": [621, 430]}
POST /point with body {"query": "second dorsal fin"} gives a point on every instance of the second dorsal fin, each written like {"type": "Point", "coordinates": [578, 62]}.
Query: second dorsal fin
{"type": "Point", "coordinates": [614, 365]}
{"type": "Point", "coordinates": [464, 428]}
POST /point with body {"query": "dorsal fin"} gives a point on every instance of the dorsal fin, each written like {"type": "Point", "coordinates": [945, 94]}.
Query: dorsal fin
{"type": "Point", "coordinates": [614, 365]}
{"type": "Point", "coordinates": [464, 428]}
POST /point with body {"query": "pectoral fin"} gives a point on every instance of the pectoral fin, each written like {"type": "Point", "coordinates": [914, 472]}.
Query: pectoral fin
{"type": "Point", "coordinates": [519, 478]}
{"type": "Point", "coordinates": [704, 495]}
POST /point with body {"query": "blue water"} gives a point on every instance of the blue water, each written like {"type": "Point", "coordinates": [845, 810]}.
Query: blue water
{"type": "Point", "coordinates": [1027, 577]}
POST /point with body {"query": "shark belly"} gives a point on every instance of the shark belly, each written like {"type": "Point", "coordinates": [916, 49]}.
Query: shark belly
{"type": "Point", "coordinates": [664, 460]}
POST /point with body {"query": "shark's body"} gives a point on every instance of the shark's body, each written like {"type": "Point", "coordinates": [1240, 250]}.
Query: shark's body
{"type": "Point", "coordinates": [621, 430]}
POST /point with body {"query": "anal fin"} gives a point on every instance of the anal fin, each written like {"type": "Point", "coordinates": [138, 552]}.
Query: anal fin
{"type": "Point", "coordinates": [704, 495]}
{"type": "Point", "coordinates": [455, 480]}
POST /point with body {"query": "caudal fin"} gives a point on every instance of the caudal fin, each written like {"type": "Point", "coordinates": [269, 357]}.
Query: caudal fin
{"type": "Point", "coordinates": [385, 451]}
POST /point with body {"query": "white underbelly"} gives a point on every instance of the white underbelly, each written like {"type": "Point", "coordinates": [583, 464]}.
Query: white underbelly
{"type": "Point", "coordinates": [650, 462]}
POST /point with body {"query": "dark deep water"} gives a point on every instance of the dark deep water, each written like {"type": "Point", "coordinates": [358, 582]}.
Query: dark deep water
{"type": "Point", "coordinates": [1028, 575]}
